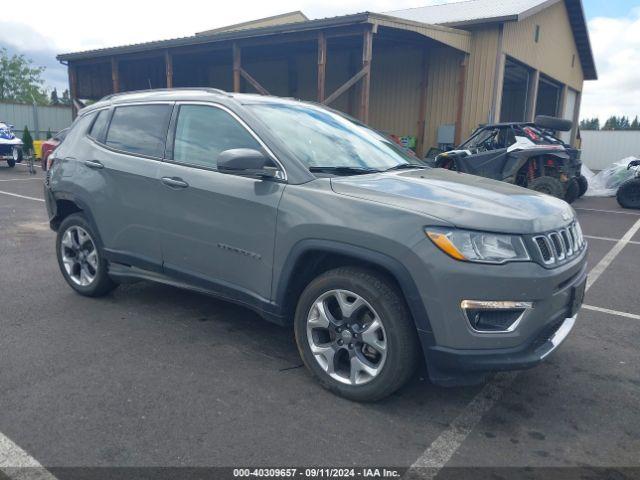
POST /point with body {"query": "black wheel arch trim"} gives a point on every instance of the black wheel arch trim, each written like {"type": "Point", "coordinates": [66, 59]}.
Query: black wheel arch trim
{"type": "Point", "coordinates": [387, 263]}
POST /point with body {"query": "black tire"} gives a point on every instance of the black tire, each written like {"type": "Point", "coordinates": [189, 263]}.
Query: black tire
{"type": "Point", "coordinates": [553, 123]}
{"type": "Point", "coordinates": [629, 194]}
{"type": "Point", "coordinates": [549, 185]}
{"type": "Point", "coordinates": [20, 155]}
{"type": "Point", "coordinates": [101, 283]}
{"type": "Point", "coordinates": [583, 185]}
{"type": "Point", "coordinates": [11, 162]}
{"type": "Point", "coordinates": [402, 349]}
{"type": "Point", "coordinates": [572, 192]}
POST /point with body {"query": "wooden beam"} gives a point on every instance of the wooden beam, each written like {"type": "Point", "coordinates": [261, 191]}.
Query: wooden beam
{"type": "Point", "coordinates": [346, 86]}
{"type": "Point", "coordinates": [168, 63]}
{"type": "Point", "coordinates": [353, 69]}
{"type": "Point", "coordinates": [322, 64]}
{"type": "Point", "coordinates": [422, 107]}
{"type": "Point", "coordinates": [254, 83]}
{"type": "Point", "coordinates": [115, 75]}
{"type": "Point", "coordinates": [73, 88]}
{"type": "Point", "coordinates": [462, 83]}
{"type": "Point", "coordinates": [237, 62]}
{"type": "Point", "coordinates": [367, 53]}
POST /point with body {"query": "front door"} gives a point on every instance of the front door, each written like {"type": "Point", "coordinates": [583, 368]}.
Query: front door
{"type": "Point", "coordinates": [218, 230]}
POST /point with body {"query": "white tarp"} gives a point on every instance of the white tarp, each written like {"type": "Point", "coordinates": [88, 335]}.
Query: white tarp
{"type": "Point", "coordinates": [606, 182]}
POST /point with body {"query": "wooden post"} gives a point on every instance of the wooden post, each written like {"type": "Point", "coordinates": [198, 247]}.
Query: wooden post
{"type": "Point", "coordinates": [422, 108]}
{"type": "Point", "coordinates": [237, 62]}
{"type": "Point", "coordinates": [462, 83]}
{"type": "Point", "coordinates": [367, 51]}
{"type": "Point", "coordinates": [168, 62]}
{"type": "Point", "coordinates": [73, 88]}
{"type": "Point", "coordinates": [322, 63]}
{"type": "Point", "coordinates": [115, 75]}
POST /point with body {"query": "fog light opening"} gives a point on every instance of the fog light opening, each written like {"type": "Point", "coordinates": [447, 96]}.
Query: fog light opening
{"type": "Point", "coordinates": [494, 316]}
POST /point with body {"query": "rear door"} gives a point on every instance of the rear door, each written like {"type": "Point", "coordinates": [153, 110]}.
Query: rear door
{"type": "Point", "coordinates": [128, 150]}
{"type": "Point", "coordinates": [217, 230]}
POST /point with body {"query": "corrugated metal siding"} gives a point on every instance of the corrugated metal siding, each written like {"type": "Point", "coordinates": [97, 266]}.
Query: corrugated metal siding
{"type": "Point", "coordinates": [601, 148]}
{"type": "Point", "coordinates": [395, 90]}
{"type": "Point", "coordinates": [553, 53]}
{"type": "Point", "coordinates": [442, 90]}
{"type": "Point", "coordinates": [49, 118]}
{"type": "Point", "coordinates": [480, 77]}
{"type": "Point", "coordinates": [455, 38]}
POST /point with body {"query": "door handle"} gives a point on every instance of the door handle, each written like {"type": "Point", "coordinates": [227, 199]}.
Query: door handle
{"type": "Point", "coordinates": [93, 164]}
{"type": "Point", "coordinates": [174, 182]}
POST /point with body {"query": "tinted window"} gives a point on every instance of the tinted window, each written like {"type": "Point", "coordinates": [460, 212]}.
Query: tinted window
{"type": "Point", "coordinates": [99, 125]}
{"type": "Point", "coordinates": [76, 131]}
{"type": "Point", "coordinates": [139, 129]}
{"type": "Point", "coordinates": [203, 132]}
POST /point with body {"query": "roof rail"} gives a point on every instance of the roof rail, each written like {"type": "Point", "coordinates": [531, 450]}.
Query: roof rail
{"type": "Point", "coordinates": [203, 89]}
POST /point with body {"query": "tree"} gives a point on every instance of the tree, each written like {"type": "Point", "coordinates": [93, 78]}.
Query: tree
{"type": "Point", "coordinates": [66, 98]}
{"type": "Point", "coordinates": [49, 134]}
{"type": "Point", "coordinates": [27, 141]}
{"type": "Point", "coordinates": [635, 125]}
{"type": "Point", "coordinates": [590, 124]}
{"type": "Point", "coordinates": [54, 97]}
{"type": "Point", "coordinates": [20, 81]}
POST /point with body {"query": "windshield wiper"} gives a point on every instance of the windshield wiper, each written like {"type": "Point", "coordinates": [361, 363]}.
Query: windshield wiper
{"type": "Point", "coordinates": [344, 170]}
{"type": "Point", "coordinates": [405, 166]}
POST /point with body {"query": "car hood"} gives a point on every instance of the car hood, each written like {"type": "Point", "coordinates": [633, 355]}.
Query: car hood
{"type": "Point", "coordinates": [465, 201]}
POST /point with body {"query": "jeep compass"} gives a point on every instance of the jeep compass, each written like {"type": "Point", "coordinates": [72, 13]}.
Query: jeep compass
{"type": "Point", "coordinates": [315, 220]}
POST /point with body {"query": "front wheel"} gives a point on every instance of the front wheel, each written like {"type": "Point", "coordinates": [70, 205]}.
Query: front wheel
{"type": "Point", "coordinates": [572, 192]}
{"type": "Point", "coordinates": [549, 185]}
{"type": "Point", "coordinates": [80, 259]}
{"type": "Point", "coordinates": [629, 193]}
{"type": "Point", "coordinates": [355, 334]}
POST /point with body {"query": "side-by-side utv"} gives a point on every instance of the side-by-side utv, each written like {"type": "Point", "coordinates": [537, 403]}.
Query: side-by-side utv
{"type": "Point", "coordinates": [526, 154]}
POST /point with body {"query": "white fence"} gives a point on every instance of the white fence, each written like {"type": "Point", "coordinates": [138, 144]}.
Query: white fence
{"type": "Point", "coordinates": [38, 119]}
{"type": "Point", "coordinates": [600, 148]}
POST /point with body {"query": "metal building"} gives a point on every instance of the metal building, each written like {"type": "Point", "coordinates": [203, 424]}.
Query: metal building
{"type": "Point", "coordinates": [429, 75]}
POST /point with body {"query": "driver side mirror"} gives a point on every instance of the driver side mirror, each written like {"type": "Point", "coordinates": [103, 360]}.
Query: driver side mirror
{"type": "Point", "coordinates": [247, 162]}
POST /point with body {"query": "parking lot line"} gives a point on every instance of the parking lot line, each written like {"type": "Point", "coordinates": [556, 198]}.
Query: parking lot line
{"type": "Point", "coordinates": [611, 312]}
{"type": "Point", "coordinates": [613, 253]}
{"type": "Point", "coordinates": [619, 212]}
{"type": "Point", "coordinates": [14, 460]}
{"type": "Point", "coordinates": [20, 179]}
{"type": "Point", "coordinates": [449, 441]}
{"type": "Point", "coordinates": [607, 239]}
{"type": "Point", "coordinates": [21, 196]}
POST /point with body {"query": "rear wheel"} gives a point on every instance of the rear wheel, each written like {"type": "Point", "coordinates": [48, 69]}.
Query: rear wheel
{"type": "Point", "coordinates": [80, 259]}
{"type": "Point", "coordinates": [583, 184]}
{"type": "Point", "coordinates": [355, 334]}
{"type": "Point", "coordinates": [549, 185]}
{"type": "Point", "coordinates": [629, 194]}
{"type": "Point", "coordinates": [573, 191]}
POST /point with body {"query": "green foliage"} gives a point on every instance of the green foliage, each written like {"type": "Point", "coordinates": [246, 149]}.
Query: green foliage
{"type": "Point", "coordinates": [590, 124]}
{"type": "Point", "coordinates": [27, 140]}
{"type": "Point", "coordinates": [20, 81]}
{"type": "Point", "coordinates": [49, 134]}
{"type": "Point", "coordinates": [54, 97]}
{"type": "Point", "coordinates": [617, 123]}
{"type": "Point", "coordinates": [635, 125]}
{"type": "Point", "coordinates": [66, 98]}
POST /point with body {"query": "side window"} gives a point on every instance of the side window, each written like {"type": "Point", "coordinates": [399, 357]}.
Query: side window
{"type": "Point", "coordinates": [139, 129]}
{"type": "Point", "coordinates": [97, 130]}
{"type": "Point", "coordinates": [202, 133]}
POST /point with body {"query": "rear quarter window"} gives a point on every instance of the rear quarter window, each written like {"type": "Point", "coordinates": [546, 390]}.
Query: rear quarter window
{"type": "Point", "coordinates": [98, 127]}
{"type": "Point", "coordinates": [139, 129]}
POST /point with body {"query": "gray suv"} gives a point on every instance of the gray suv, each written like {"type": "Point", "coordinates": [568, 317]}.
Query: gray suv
{"type": "Point", "coordinates": [314, 220]}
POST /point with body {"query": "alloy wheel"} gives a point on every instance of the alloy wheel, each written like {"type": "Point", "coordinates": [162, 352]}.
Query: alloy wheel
{"type": "Point", "coordinates": [347, 337]}
{"type": "Point", "coordinates": [79, 256]}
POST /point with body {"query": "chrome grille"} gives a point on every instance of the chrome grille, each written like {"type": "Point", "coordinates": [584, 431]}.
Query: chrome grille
{"type": "Point", "coordinates": [560, 245]}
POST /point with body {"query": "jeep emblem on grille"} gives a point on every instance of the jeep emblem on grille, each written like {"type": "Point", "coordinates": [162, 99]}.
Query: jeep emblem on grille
{"type": "Point", "coordinates": [566, 216]}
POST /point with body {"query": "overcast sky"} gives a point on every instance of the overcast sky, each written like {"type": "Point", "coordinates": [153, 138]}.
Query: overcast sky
{"type": "Point", "coordinates": [73, 25]}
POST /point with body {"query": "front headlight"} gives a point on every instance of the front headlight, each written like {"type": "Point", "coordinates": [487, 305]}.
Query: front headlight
{"type": "Point", "coordinates": [482, 247]}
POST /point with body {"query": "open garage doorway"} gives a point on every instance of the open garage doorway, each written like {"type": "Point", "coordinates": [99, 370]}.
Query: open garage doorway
{"type": "Point", "coordinates": [548, 100]}
{"type": "Point", "coordinates": [515, 91]}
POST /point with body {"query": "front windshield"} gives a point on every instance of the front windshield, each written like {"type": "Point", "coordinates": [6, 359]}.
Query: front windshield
{"type": "Point", "coordinates": [322, 138]}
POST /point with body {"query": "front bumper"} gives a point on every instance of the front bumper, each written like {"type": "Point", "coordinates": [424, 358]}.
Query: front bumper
{"type": "Point", "coordinates": [455, 354]}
